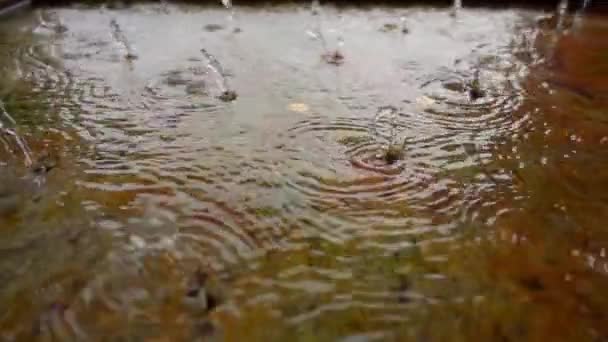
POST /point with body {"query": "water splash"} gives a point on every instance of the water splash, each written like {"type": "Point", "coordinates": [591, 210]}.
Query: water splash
{"type": "Point", "coordinates": [317, 31]}
{"type": "Point", "coordinates": [456, 7]}
{"type": "Point", "coordinates": [164, 7]}
{"type": "Point", "coordinates": [231, 16]}
{"type": "Point", "coordinates": [560, 14]}
{"type": "Point", "coordinates": [339, 46]}
{"type": "Point", "coordinates": [222, 82]}
{"type": "Point", "coordinates": [394, 146]}
{"type": "Point", "coordinates": [385, 111]}
{"type": "Point", "coordinates": [10, 132]}
{"type": "Point", "coordinates": [403, 25]}
{"type": "Point", "coordinates": [52, 22]}
{"type": "Point", "coordinates": [562, 7]}
{"type": "Point", "coordinates": [586, 4]}
{"type": "Point", "coordinates": [120, 37]}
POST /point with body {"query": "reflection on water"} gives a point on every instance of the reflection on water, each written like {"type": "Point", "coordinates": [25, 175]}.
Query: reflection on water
{"type": "Point", "coordinates": [444, 182]}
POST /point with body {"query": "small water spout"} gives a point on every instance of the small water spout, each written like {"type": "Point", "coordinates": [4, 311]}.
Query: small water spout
{"type": "Point", "coordinates": [214, 65]}
{"type": "Point", "coordinates": [394, 147]}
{"type": "Point", "coordinates": [120, 37]}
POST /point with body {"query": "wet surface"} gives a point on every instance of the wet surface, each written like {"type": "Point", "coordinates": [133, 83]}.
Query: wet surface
{"type": "Point", "coordinates": [387, 173]}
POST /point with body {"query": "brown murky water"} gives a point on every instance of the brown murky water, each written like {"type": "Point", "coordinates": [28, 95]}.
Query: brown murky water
{"type": "Point", "coordinates": [155, 211]}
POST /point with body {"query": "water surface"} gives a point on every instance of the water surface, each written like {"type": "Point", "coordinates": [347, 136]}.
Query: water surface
{"type": "Point", "coordinates": [169, 214]}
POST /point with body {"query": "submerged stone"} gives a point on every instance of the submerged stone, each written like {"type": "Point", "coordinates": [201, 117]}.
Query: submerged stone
{"type": "Point", "coordinates": [476, 93]}
{"type": "Point", "coordinates": [389, 27]}
{"type": "Point", "coordinates": [335, 58]}
{"type": "Point", "coordinates": [213, 27]}
{"type": "Point", "coordinates": [131, 56]}
{"type": "Point", "coordinates": [393, 153]}
{"type": "Point", "coordinates": [228, 96]}
{"type": "Point", "coordinates": [196, 88]}
{"type": "Point", "coordinates": [454, 86]}
{"type": "Point", "coordinates": [475, 89]}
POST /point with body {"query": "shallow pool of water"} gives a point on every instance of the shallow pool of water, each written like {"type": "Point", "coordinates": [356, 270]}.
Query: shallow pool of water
{"type": "Point", "coordinates": [387, 173]}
